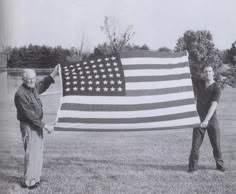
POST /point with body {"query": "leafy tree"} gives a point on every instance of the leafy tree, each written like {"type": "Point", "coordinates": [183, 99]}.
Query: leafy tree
{"type": "Point", "coordinates": [97, 52]}
{"type": "Point", "coordinates": [117, 40]}
{"type": "Point", "coordinates": [202, 51]}
{"type": "Point", "coordinates": [105, 49]}
{"type": "Point", "coordinates": [225, 56]}
{"type": "Point", "coordinates": [164, 49]}
{"type": "Point", "coordinates": [231, 73]}
{"type": "Point", "coordinates": [35, 56]}
{"type": "Point", "coordinates": [74, 55]}
{"type": "Point", "coordinates": [130, 47]}
{"type": "Point", "coordinates": [232, 54]}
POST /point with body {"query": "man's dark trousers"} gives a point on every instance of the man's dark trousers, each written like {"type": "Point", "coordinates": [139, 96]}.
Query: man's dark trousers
{"type": "Point", "coordinates": [213, 131]}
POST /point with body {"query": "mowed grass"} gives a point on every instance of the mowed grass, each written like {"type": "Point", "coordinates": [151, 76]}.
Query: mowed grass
{"type": "Point", "coordinates": [120, 162]}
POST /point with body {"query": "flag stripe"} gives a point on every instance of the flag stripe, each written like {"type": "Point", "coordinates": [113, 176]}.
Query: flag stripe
{"type": "Point", "coordinates": [66, 127]}
{"type": "Point", "coordinates": [127, 100]}
{"type": "Point", "coordinates": [128, 107]}
{"type": "Point", "coordinates": [157, 85]}
{"type": "Point", "coordinates": [128, 120]}
{"type": "Point", "coordinates": [142, 61]}
{"type": "Point", "coordinates": [153, 54]}
{"type": "Point", "coordinates": [158, 91]}
{"type": "Point", "coordinates": [151, 125]}
{"type": "Point", "coordinates": [155, 66]}
{"type": "Point", "coordinates": [155, 72]}
{"type": "Point", "coordinates": [157, 78]}
{"type": "Point", "coordinates": [127, 114]}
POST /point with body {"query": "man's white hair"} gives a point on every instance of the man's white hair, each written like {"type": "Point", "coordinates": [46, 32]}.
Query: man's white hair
{"type": "Point", "coordinates": [27, 72]}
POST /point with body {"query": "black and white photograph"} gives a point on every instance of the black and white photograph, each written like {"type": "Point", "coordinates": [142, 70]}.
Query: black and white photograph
{"type": "Point", "coordinates": [117, 97]}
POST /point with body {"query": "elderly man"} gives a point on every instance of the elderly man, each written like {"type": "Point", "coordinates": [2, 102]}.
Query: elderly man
{"type": "Point", "coordinates": [208, 95]}
{"type": "Point", "coordinates": [30, 114]}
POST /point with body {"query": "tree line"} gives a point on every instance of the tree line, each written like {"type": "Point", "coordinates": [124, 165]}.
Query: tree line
{"type": "Point", "coordinates": [199, 45]}
{"type": "Point", "coordinates": [35, 56]}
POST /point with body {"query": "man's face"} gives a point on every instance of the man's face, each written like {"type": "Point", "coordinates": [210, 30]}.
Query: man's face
{"type": "Point", "coordinates": [208, 73]}
{"type": "Point", "coordinates": [30, 79]}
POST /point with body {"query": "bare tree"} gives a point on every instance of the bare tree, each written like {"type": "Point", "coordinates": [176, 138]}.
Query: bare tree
{"type": "Point", "coordinates": [76, 53]}
{"type": "Point", "coordinates": [117, 39]}
{"type": "Point", "coordinates": [6, 50]}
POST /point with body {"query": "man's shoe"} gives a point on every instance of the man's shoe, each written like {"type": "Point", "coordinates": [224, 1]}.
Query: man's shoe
{"type": "Point", "coordinates": [23, 185]}
{"type": "Point", "coordinates": [191, 170]}
{"type": "Point", "coordinates": [33, 186]}
{"type": "Point", "coordinates": [220, 168]}
{"type": "Point", "coordinates": [38, 183]}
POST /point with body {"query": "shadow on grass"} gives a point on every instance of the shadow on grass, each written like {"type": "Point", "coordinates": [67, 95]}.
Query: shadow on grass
{"type": "Point", "coordinates": [10, 179]}
{"type": "Point", "coordinates": [9, 172]}
{"type": "Point", "coordinates": [71, 162]}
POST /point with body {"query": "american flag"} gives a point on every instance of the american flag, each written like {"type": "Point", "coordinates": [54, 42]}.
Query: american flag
{"type": "Point", "coordinates": [135, 91]}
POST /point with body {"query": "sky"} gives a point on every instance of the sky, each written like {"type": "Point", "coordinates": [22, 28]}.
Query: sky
{"type": "Point", "coordinates": [157, 23]}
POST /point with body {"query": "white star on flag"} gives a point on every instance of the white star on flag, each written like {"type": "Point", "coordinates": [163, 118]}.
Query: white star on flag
{"type": "Point", "coordinates": [98, 89]}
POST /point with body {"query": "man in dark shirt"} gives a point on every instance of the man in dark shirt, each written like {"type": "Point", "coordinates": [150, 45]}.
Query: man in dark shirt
{"type": "Point", "coordinates": [30, 114]}
{"type": "Point", "coordinates": [208, 95]}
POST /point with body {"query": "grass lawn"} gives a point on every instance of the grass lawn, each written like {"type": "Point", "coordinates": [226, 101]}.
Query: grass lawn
{"type": "Point", "coordinates": [121, 162]}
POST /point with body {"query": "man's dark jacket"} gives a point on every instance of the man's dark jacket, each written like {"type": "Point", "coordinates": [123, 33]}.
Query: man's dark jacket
{"type": "Point", "coordinates": [28, 104]}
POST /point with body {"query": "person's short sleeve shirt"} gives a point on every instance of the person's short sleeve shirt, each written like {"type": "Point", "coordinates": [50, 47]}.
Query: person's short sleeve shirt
{"type": "Point", "coordinates": [205, 97]}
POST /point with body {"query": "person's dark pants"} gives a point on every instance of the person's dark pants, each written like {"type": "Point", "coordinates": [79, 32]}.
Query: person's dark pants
{"type": "Point", "coordinates": [213, 131]}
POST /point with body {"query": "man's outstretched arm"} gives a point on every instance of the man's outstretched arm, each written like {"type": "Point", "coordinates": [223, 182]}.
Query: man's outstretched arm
{"type": "Point", "coordinates": [210, 113]}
